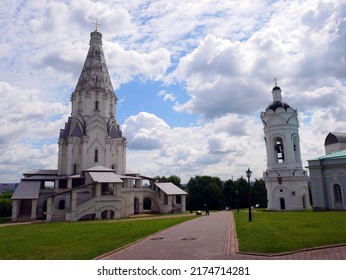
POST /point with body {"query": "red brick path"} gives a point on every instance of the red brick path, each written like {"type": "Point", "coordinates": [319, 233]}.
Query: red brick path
{"type": "Point", "coordinates": [208, 237]}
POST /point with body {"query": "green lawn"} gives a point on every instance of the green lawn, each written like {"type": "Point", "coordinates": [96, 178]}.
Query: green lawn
{"type": "Point", "coordinates": [78, 240]}
{"type": "Point", "coordinates": [4, 220]}
{"type": "Point", "coordinates": [275, 232]}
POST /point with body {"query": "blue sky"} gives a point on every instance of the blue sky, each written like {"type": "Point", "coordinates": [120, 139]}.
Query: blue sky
{"type": "Point", "coordinates": [191, 76]}
{"type": "Point", "coordinates": [153, 97]}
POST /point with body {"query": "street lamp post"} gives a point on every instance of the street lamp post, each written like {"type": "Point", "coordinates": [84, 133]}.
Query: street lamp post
{"type": "Point", "coordinates": [248, 175]}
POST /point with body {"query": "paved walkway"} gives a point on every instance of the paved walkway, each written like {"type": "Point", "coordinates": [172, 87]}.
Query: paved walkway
{"type": "Point", "coordinates": [208, 237]}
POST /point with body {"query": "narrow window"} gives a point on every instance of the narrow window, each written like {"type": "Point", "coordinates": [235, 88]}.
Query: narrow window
{"type": "Point", "coordinates": [337, 193]}
{"type": "Point", "coordinates": [96, 105]}
{"type": "Point", "coordinates": [96, 156]}
{"type": "Point", "coordinates": [296, 147]}
{"type": "Point", "coordinates": [75, 168]}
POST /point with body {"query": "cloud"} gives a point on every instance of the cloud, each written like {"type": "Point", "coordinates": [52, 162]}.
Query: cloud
{"type": "Point", "coordinates": [27, 124]}
{"type": "Point", "coordinates": [215, 74]}
{"type": "Point", "coordinates": [20, 157]}
{"type": "Point", "coordinates": [129, 64]}
{"type": "Point", "coordinates": [166, 95]}
{"type": "Point", "coordinates": [221, 56]}
{"type": "Point", "coordinates": [26, 117]}
{"type": "Point", "coordinates": [145, 131]}
{"type": "Point", "coordinates": [211, 148]}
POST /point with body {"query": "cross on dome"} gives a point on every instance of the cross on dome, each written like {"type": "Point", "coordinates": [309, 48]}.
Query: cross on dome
{"type": "Point", "coordinates": [96, 24]}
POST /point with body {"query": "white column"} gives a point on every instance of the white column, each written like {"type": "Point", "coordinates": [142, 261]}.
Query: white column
{"type": "Point", "coordinates": [183, 203]}
{"type": "Point", "coordinates": [50, 205]}
{"type": "Point", "coordinates": [33, 209]}
{"type": "Point", "coordinates": [15, 210]}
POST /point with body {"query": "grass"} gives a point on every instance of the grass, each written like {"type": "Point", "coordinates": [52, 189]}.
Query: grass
{"type": "Point", "coordinates": [276, 232]}
{"type": "Point", "coordinates": [76, 241]}
{"type": "Point", "coordinates": [4, 220]}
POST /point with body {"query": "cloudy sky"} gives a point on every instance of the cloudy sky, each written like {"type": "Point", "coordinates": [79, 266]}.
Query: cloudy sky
{"type": "Point", "coordinates": [191, 77]}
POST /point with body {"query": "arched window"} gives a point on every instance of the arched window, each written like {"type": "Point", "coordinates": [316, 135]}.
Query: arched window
{"type": "Point", "coordinates": [279, 150]}
{"type": "Point", "coordinates": [62, 204]}
{"type": "Point", "coordinates": [337, 193]}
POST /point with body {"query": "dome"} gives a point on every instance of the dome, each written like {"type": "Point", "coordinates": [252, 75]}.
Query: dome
{"type": "Point", "coordinates": [278, 104]}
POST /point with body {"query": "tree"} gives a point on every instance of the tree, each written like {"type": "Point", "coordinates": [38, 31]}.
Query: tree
{"type": "Point", "coordinates": [259, 193]}
{"type": "Point", "coordinates": [205, 190]}
{"type": "Point", "coordinates": [6, 204]}
{"type": "Point", "coordinates": [173, 179]}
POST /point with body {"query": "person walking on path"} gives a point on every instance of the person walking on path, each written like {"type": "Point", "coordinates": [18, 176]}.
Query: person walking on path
{"type": "Point", "coordinates": [206, 210]}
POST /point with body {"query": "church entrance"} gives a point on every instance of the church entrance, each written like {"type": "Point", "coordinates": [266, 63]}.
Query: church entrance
{"type": "Point", "coordinates": [282, 204]}
{"type": "Point", "coordinates": [147, 203]}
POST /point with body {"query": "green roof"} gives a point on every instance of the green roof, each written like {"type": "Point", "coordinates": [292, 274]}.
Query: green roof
{"type": "Point", "coordinates": [333, 155]}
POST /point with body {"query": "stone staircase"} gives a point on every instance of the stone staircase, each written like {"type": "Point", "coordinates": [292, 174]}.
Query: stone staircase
{"type": "Point", "coordinates": [86, 207]}
{"type": "Point", "coordinates": [58, 216]}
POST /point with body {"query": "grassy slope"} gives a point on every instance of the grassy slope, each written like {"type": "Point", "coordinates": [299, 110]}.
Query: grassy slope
{"type": "Point", "coordinates": [82, 240]}
{"type": "Point", "coordinates": [274, 232]}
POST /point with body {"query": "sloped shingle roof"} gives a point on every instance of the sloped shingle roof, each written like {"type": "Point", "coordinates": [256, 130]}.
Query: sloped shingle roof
{"type": "Point", "coordinates": [170, 189]}
{"type": "Point", "coordinates": [27, 190]}
{"type": "Point", "coordinates": [105, 177]}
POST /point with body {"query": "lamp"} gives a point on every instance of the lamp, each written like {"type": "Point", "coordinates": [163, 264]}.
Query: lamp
{"type": "Point", "coordinates": [248, 175]}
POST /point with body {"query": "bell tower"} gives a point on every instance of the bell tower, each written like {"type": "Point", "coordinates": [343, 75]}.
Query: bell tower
{"type": "Point", "coordinates": [92, 136]}
{"type": "Point", "coordinates": [286, 181]}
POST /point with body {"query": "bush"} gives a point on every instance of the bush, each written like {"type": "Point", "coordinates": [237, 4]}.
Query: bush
{"type": "Point", "coordinates": [5, 205]}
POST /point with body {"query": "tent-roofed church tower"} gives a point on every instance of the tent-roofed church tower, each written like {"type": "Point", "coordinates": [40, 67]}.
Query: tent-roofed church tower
{"type": "Point", "coordinates": [286, 181]}
{"type": "Point", "coordinates": [91, 136]}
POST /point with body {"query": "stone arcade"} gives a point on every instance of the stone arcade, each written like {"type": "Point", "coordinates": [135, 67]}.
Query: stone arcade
{"type": "Point", "coordinates": [91, 181]}
{"type": "Point", "coordinates": [285, 179]}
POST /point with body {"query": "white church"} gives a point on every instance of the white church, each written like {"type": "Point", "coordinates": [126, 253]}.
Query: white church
{"type": "Point", "coordinates": [91, 180]}
{"type": "Point", "coordinates": [286, 181]}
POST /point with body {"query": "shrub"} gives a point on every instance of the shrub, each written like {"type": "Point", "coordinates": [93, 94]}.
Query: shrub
{"type": "Point", "coordinates": [5, 205]}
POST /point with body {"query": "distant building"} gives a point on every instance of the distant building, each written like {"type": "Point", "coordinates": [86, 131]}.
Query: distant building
{"type": "Point", "coordinates": [5, 187]}
{"type": "Point", "coordinates": [328, 174]}
{"type": "Point", "coordinates": [285, 179]}
{"type": "Point", "coordinates": [91, 181]}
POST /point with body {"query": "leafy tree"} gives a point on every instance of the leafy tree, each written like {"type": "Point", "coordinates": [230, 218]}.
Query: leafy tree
{"type": "Point", "coordinates": [6, 204]}
{"type": "Point", "coordinates": [259, 193]}
{"type": "Point", "coordinates": [242, 193]}
{"type": "Point", "coordinates": [205, 190]}
{"type": "Point", "coordinates": [173, 179]}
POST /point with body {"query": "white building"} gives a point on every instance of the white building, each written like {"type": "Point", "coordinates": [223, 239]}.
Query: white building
{"type": "Point", "coordinates": [91, 181]}
{"type": "Point", "coordinates": [328, 174]}
{"type": "Point", "coordinates": [286, 181]}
